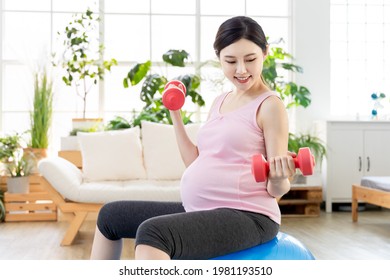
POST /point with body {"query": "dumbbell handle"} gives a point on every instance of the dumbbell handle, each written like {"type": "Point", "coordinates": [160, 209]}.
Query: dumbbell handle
{"type": "Point", "coordinates": [304, 161]}
{"type": "Point", "coordinates": [296, 163]}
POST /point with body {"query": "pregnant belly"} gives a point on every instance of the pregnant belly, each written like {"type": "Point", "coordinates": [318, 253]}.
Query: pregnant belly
{"type": "Point", "coordinates": [210, 184]}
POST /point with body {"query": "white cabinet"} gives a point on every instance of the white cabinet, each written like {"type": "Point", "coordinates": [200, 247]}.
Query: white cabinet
{"type": "Point", "coordinates": [354, 149]}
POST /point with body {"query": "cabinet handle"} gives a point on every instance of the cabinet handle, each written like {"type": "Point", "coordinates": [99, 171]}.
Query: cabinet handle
{"type": "Point", "coordinates": [360, 164]}
{"type": "Point", "coordinates": [368, 164]}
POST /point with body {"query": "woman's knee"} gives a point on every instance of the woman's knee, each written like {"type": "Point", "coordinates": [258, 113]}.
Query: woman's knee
{"type": "Point", "coordinates": [150, 228]}
{"type": "Point", "coordinates": [154, 232]}
{"type": "Point", "coordinates": [106, 212]}
{"type": "Point", "coordinates": [107, 220]}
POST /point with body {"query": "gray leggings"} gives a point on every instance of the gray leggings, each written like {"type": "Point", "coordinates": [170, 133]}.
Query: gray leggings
{"type": "Point", "coordinates": [185, 235]}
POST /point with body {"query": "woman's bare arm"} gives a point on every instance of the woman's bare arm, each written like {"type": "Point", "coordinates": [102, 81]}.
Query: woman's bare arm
{"type": "Point", "coordinates": [272, 118]}
{"type": "Point", "coordinates": [188, 150]}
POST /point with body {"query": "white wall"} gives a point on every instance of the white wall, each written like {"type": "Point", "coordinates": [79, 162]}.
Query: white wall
{"type": "Point", "coordinates": [311, 33]}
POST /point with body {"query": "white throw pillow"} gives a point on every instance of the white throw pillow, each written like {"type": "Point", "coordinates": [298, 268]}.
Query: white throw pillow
{"type": "Point", "coordinates": [112, 155]}
{"type": "Point", "coordinates": [161, 153]}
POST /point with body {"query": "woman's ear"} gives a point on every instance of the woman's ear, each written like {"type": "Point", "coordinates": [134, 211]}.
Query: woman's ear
{"type": "Point", "coordinates": [266, 51]}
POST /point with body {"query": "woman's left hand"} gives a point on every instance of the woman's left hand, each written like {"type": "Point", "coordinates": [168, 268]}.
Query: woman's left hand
{"type": "Point", "coordinates": [281, 167]}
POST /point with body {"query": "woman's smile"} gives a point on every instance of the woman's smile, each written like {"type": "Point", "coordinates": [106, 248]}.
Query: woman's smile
{"type": "Point", "coordinates": [243, 80]}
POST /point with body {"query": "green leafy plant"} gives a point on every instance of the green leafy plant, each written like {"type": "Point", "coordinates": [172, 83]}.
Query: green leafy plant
{"type": "Point", "coordinates": [8, 146]}
{"type": "Point", "coordinates": [292, 94]}
{"type": "Point", "coordinates": [41, 115]}
{"type": "Point", "coordinates": [74, 131]}
{"type": "Point", "coordinates": [153, 86]}
{"type": "Point", "coordinates": [316, 145]}
{"type": "Point", "coordinates": [82, 57]}
{"type": "Point", "coordinates": [21, 166]}
{"type": "Point", "coordinates": [17, 164]}
{"type": "Point", "coordinates": [118, 123]}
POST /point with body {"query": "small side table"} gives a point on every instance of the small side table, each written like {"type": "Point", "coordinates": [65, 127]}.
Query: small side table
{"type": "Point", "coordinates": [33, 206]}
{"type": "Point", "coordinates": [301, 201]}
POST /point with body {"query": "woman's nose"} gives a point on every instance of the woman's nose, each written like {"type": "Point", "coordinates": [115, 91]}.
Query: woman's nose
{"type": "Point", "coordinates": [241, 69]}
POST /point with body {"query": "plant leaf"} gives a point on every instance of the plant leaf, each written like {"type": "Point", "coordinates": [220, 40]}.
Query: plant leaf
{"type": "Point", "coordinates": [292, 67]}
{"type": "Point", "coordinates": [175, 57]}
{"type": "Point", "coordinates": [152, 84]}
{"type": "Point", "coordinates": [137, 73]}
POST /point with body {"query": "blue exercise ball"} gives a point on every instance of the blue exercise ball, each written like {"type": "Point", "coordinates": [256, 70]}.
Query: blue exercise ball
{"type": "Point", "coordinates": [282, 247]}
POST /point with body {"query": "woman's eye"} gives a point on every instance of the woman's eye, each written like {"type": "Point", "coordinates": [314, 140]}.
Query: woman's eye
{"type": "Point", "coordinates": [250, 60]}
{"type": "Point", "coordinates": [230, 61]}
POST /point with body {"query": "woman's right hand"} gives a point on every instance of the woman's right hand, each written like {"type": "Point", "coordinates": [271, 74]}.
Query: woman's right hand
{"type": "Point", "coordinates": [291, 154]}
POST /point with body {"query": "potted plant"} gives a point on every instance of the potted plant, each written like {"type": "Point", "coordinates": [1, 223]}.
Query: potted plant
{"type": "Point", "coordinates": [118, 123]}
{"type": "Point", "coordinates": [153, 86]}
{"type": "Point", "coordinates": [41, 115]}
{"type": "Point", "coordinates": [82, 58]}
{"type": "Point", "coordinates": [316, 146]}
{"type": "Point", "coordinates": [292, 94]}
{"type": "Point", "coordinates": [18, 166]}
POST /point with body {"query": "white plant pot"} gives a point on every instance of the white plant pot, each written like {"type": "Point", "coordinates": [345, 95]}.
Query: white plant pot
{"type": "Point", "coordinates": [87, 124]}
{"type": "Point", "coordinates": [70, 143]}
{"type": "Point", "coordinates": [18, 184]}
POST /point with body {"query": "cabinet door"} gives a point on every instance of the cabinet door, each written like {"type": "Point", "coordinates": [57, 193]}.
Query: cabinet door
{"type": "Point", "coordinates": [376, 153]}
{"type": "Point", "coordinates": [345, 164]}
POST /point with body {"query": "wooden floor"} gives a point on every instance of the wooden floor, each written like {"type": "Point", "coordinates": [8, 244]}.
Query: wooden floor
{"type": "Point", "coordinates": [328, 237]}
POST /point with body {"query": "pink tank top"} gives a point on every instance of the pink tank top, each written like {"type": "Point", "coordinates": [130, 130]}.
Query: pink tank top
{"type": "Point", "coordinates": [221, 175]}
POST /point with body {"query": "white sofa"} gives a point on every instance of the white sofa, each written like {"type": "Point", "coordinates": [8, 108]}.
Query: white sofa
{"type": "Point", "coordinates": [132, 164]}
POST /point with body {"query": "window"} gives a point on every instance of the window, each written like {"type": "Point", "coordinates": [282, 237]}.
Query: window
{"type": "Point", "coordinates": [133, 31]}
{"type": "Point", "coordinates": [360, 55]}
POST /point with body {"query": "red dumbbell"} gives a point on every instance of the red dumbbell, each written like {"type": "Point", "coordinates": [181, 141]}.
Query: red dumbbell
{"type": "Point", "coordinates": [174, 95]}
{"type": "Point", "coordinates": [304, 161]}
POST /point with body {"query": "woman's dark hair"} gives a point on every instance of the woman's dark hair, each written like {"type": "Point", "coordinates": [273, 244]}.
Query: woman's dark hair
{"type": "Point", "coordinates": [237, 28]}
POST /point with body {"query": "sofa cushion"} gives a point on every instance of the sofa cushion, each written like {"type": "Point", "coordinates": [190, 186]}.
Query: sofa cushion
{"type": "Point", "coordinates": [161, 153]}
{"type": "Point", "coordinates": [107, 191]}
{"type": "Point", "coordinates": [67, 179]}
{"type": "Point", "coordinates": [63, 175]}
{"type": "Point", "coordinates": [112, 155]}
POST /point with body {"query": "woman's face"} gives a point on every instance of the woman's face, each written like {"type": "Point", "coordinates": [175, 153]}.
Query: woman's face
{"type": "Point", "coordinates": [242, 64]}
